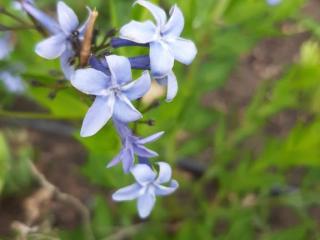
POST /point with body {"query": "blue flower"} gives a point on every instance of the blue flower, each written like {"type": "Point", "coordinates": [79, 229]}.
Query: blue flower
{"type": "Point", "coordinates": [5, 45]}
{"type": "Point", "coordinates": [147, 187]}
{"type": "Point", "coordinates": [12, 83]}
{"type": "Point", "coordinates": [131, 146]}
{"type": "Point", "coordinates": [274, 2]}
{"type": "Point", "coordinates": [113, 93]}
{"type": "Point", "coordinates": [65, 34]}
{"type": "Point", "coordinates": [164, 39]}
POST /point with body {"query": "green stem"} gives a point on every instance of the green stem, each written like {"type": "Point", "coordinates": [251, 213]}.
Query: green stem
{"type": "Point", "coordinates": [30, 115]}
{"type": "Point", "coordinates": [9, 14]}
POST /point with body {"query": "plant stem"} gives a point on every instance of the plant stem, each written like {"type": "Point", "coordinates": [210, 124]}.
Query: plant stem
{"type": "Point", "coordinates": [30, 115]}
{"type": "Point", "coordinates": [9, 14]}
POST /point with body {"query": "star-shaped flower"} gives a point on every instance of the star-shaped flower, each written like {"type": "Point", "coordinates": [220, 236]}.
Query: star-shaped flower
{"type": "Point", "coordinates": [147, 187]}
{"type": "Point", "coordinates": [113, 93]}
{"type": "Point", "coordinates": [131, 146]}
{"type": "Point", "coordinates": [164, 39]}
{"type": "Point", "coordinates": [66, 33]}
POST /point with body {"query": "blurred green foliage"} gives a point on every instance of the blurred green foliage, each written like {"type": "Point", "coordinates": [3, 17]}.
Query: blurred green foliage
{"type": "Point", "coordinates": [246, 175]}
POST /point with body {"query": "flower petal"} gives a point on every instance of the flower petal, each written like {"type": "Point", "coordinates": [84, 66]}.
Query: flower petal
{"type": "Point", "coordinates": [68, 20]}
{"type": "Point", "coordinates": [46, 21]}
{"type": "Point", "coordinates": [145, 204]}
{"type": "Point", "coordinates": [139, 32]}
{"type": "Point", "coordinates": [124, 111]}
{"type": "Point", "coordinates": [51, 47]}
{"type": "Point", "coordinates": [138, 88]}
{"type": "Point", "coordinates": [120, 68]}
{"type": "Point", "coordinates": [90, 81]}
{"type": "Point", "coordinates": [175, 25]}
{"type": "Point", "coordinates": [122, 128]}
{"type": "Point", "coordinates": [128, 160]}
{"type": "Point", "coordinates": [183, 50]}
{"type": "Point", "coordinates": [151, 138]}
{"type": "Point", "coordinates": [158, 13]}
{"type": "Point", "coordinates": [66, 67]}
{"type": "Point", "coordinates": [164, 191]}
{"type": "Point", "coordinates": [161, 59]}
{"type": "Point", "coordinates": [98, 115]}
{"type": "Point", "coordinates": [127, 193]}
{"type": "Point", "coordinates": [142, 151]}
{"type": "Point", "coordinates": [165, 172]}
{"type": "Point", "coordinates": [115, 160]}
{"type": "Point", "coordinates": [172, 86]}
{"type": "Point", "coordinates": [143, 174]}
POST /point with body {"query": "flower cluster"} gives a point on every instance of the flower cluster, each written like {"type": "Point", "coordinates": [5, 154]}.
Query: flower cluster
{"type": "Point", "coordinates": [108, 78]}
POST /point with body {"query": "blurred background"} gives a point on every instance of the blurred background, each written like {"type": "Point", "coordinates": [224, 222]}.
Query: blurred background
{"type": "Point", "coordinates": [242, 134]}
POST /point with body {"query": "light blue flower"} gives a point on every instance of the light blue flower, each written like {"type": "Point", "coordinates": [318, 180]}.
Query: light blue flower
{"type": "Point", "coordinates": [131, 146]}
{"type": "Point", "coordinates": [5, 45]}
{"type": "Point", "coordinates": [164, 39]}
{"type": "Point", "coordinates": [66, 33]}
{"type": "Point", "coordinates": [147, 187]}
{"type": "Point", "coordinates": [12, 83]}
{"type": "Point", "coordinates": [113, 93]}
{"type": "Point", "coordinates": [274, 2]}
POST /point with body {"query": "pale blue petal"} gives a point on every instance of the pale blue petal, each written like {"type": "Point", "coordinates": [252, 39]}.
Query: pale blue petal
{"type": "Point", "coordinates": [128, 160]}
{"type": "Point", "coordinates": [67, 68]}
{"type": "Point", "coordinates": [161, 59]}
{"type": "Point", "coordinates": [139, 32]}
{"type": "Point", "coordinates": [145, 204]}
{"type": "Point", "coordinates": [175, 25]}
{"type": "Point", "coordinates": [122, 128]}
{"type": "Point", "coordinates": [165, 173]}
{"type": "Point", "coordinates": [120, 68]}
{"type": "Point", "coordinates": [158, 13]}
{"type": "Point", "coordinates": [164, 191]}
{"type": "Point", "coordinates": [142, 151]}
{"type": "Point", "coordinates": [116, 160]}
{"type": "Point", "coordinates": [138, 88]}
{"type": "Point", "coordinates": [68, 20]}
{"type": "Point", "coordinates": [90, 81]}
{"type": "Point", "coordinates": [143, 174]}
{"type": "Point", "coordinates": [172, 86]}
{"type": "Point", "coordinates": [124, 111]}
{"type": "Point", "coordinates": [52, 47]}
{"type": "Point", "coordinates": [151, 138]}
{"type": "Point", "coordinates": [183, 50]}
{"type": "Point", "coordinates": [97, 116]}
{"type": "Point", "coordinates": [127, 193]}
{"type": "Point", "coordinates": [46, 21]}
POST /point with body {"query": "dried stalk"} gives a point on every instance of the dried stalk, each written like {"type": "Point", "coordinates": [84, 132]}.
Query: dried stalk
{"type": "Point", "coordinates": [64, 197]}
{"type": "Point", "coordinates": [86, 44]}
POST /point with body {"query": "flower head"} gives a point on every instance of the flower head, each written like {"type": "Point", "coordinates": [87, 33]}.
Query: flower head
{"type": "Point", "coordinates": [65, 34]}
{"type": "Point", "coordinates": [113, 89]}
{"type": "Point", "coordinates": [131, 146]}
{"type": "Point", "coordinates": [164, 39]}
{"type": "Point", "coordinates": [148, 186]}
